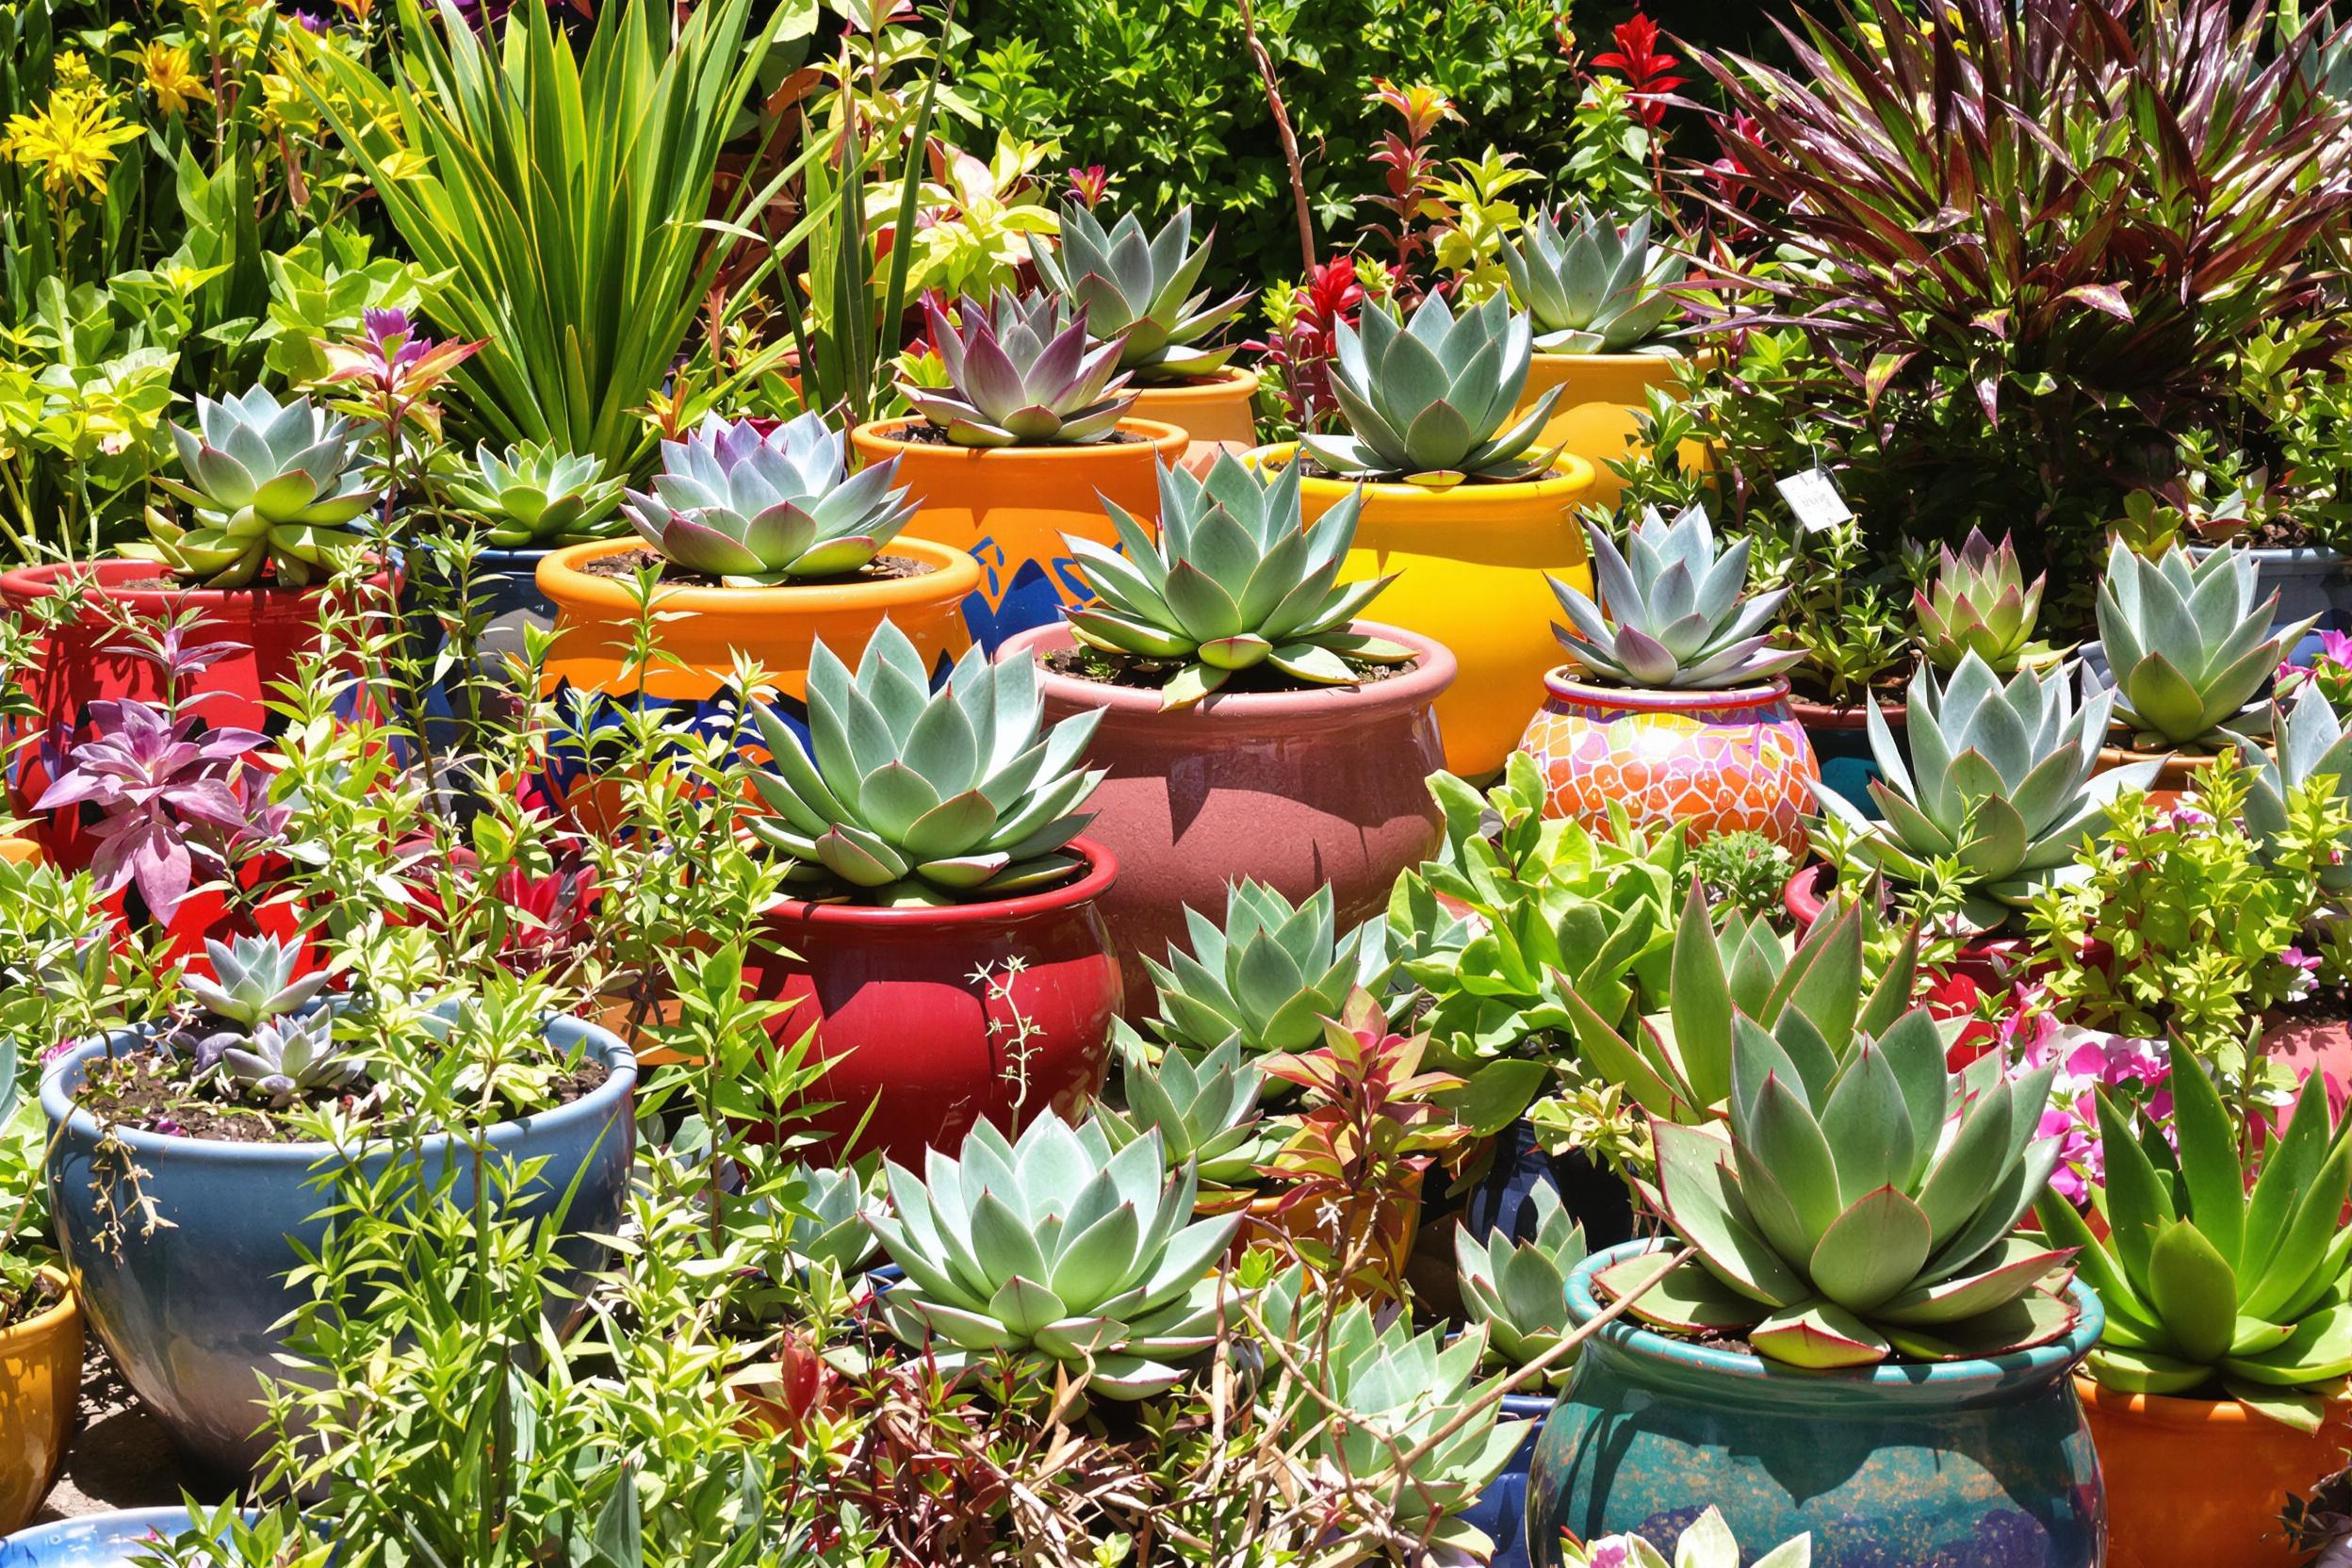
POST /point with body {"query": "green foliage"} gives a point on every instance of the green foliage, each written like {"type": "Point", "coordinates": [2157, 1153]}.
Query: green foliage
{"type": "Point", "coordinates": [1746, 871]}
{"type": "Point", "coordinates": [1980, 604]}
{"type": "Point", "coordinates": [2308, 750]}
{"type": "Point", "coordinates": [1519, 1289]}
{"type": "Point", "coordinates": [2189, 643]}
{"type": "Point", "coordinates": [1266, 976]}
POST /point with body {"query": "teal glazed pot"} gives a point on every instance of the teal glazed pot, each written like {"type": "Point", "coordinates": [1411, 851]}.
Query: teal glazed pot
{"type": "Point", "coordinates": [1969, 1464]}
{"type": "Point", "coordinates": [191, 1310]}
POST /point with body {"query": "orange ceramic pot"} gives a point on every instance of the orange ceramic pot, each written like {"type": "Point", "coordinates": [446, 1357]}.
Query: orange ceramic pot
{"type": "Point", "coordinates": [1720, 761]}
{"type": "Point", "coordinates": [2199, 1483]}
{"type": "Point", "coordinates": [1215, 412]}
{"type": "Point", "coordinates": [40, 1381]}
{"type": "Point", "coordinates": [2176, 777]}
{"type": "Point", "coordinates": [19, 850]}
{"type": "Point", "coordinates": [1599, 395]}
{"type": "Point", "coordinates": [704, 627]}
{"type": "Point", "coordinates": [1008, 507]}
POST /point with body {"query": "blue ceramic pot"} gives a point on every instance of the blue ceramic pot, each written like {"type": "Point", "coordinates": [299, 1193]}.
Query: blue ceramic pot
{"type": "Point", "coordinates": [1969, 1464]}
{"type": "Point", "coordinates": [1841, 746]}
{"type": "Point", "coordinates": [95, 1541]}
{"type": "Point", "coordinates": [189, 1310]}
{"type": "Point", "coordinates": [1502, 1510]}
{"type": "Point", "coordinates": [2310, 580]}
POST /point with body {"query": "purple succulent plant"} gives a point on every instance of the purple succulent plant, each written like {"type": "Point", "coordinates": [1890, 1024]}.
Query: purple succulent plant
{"type": "Point", "coordinates": [170, 799]}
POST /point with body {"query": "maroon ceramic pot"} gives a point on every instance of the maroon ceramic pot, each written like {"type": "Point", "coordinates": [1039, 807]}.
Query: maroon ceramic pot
{"type": "Point", "coordinates": [1296, 789]}
{"type": "Point", "coordinates": [935, 1018]}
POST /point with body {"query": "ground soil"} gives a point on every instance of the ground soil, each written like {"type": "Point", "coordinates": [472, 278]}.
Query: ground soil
{"type": "Point", "coordinates": [130, 1093]}
{"type": "Point", "coordinates": [118, 1455]}
{"type": "Point", "coordinates": [628, 564]}
{"type": "Point", "coordinates": [1151, 675]}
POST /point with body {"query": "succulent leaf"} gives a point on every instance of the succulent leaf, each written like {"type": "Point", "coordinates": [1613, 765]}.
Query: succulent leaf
{"type": "Point", "coordinates": [1674, 620]}
{"type": "Point", "coordinates": [536, 495]}
{"type": "Point", "coordinates": [1020, 372]}
{"type": "Point", "coordinates": [1593, 288]}
{"type": "Point", "coordinates": [270, 485]}
{"type": "Point", "coordinates": [2190, 647]}
{"type": "Point", "coordinates": [1269, 975]}
{"type": "Point", "coordinates": [1434, 394]}
{"type": "Point", "coordinates": [755, 510]}
{"type": "Point", "coordinates": [1138, 289]}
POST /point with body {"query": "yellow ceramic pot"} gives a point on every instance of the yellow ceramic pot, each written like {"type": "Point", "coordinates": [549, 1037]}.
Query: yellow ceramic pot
{"type": "Point", "coordinates": [41, 1379]}
{"type": "Point", "coordinates": [1470, 561]}
{"type": "Point", "coordinates": [1008, 507]}
{"type": "Point", "coordinates": [595, 617]}
{"type": "Point", "coordinates": [18, 850]}
{"type": "Point", "coordinates": [1600, 394]}
{"type": "Point", "coordinates": [1215, 412]}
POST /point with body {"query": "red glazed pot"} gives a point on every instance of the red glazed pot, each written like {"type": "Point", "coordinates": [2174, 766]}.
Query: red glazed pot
{"type": "Point", "coordinates": [1720, 761]}
{"type": "Point", "coordinates": [1300, 789]}
{"type": "Point", "coordinates": [908, 1029]}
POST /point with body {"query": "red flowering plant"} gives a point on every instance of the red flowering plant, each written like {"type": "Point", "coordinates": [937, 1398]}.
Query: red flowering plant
{"type": "Point", "coordinates": [1304, 318]}
{"type": "Point", "coordinates": [1649, 71]}
{"type": "Point", "coordinates": [1409, 173]}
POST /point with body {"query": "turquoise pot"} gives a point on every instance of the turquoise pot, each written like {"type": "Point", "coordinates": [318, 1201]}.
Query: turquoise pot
{"type": "Point", "coordinates": [1969, 1464]}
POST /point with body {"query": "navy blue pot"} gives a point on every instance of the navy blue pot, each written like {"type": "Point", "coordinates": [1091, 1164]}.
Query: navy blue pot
{"type": "Point", "coordinates": [189, 1310]}
{"type": "Point", "coordinates": [1502, 1510]}
{"type": "Point", "coordinates": [94, 1540]}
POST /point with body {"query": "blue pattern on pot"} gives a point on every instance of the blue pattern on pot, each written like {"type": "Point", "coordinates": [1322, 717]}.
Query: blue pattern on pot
{"type": "Point", "coordinates": [93, 1541]}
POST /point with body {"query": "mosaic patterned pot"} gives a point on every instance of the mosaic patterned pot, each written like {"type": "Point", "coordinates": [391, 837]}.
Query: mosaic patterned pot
{"type": "Point", "coordinates": [1982, 1463]}
{"type": "Point", "coordinates": [1720, 760]}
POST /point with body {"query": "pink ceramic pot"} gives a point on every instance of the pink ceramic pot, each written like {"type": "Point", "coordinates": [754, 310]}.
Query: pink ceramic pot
{"type": "Point", "coordinates": [1296, 789]}
{"type": "Point", "coordinates": [2312, 1045]}
{"type": "Point", "coordinates": [1720, 761]}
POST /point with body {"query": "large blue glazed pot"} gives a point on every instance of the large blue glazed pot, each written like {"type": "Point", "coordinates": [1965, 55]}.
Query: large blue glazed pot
{"type": "Point", "coordinates": [1967, 1464]}
{"type": "Point", "coordinates": [189, 1310]}
{"type": "Point", "coordinates": [94, 1540]}
{"type": "Point", "coordinates": [1502, 1510]}
{"type": "Point", "coordinates": [2310, 580]}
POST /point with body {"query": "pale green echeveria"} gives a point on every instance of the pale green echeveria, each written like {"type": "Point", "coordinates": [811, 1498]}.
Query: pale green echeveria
{"type": "Point", "coordinates": [271, 484]}
{"type": "Point", "coordinates": [283, 1059]}
{"type": "Point", "coordinates": [1205, 1111]}
{"type": "Point", "coordinates": [1434, 398]}
{"type": "Point", "coordinates": [2190, 647]}
{"type": "Point", "coordinates": [755, 510]}
{"type": "Point", "coordinates": [1862, 1204]}
{"type": "Point", "coordinates": [1707, 1543]}
{"type": "Point", "coordinates": [2002, 778]}
{"type": "Point", "coordinates": [535, 495]}
{"type": "Point", "coordinates": [1980, 604]}
{"type": "Point", "coordinates": [1267, 975]}
{"type": "Point", "coordinates": [1593, 288]}
{"type": "Point", "coordinates": [1519, 1289]}
{"type": "Point", "coordinates": [252, 980]}
{"type": "Point", "coordinates": [905, 795]}
{"type": "Point", "coordinates": [2210, 1288]}
{"type": "Point", "coordinates": [1140, 289]}
{"type": "Point", "coordinates": [2308, 743]}
{"type": "Point", "coordinates": [1022, 371]}
{"type": "Point", "coordinates": [1675, 619]}
{"type": "Point", "coordinates": [1056, 1250]}
{"type": "Point", "coordinates": [822, 1215]}
{"type": "Point", "coordinates": [1231, 580]}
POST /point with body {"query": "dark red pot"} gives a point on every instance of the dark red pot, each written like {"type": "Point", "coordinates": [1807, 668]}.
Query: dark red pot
{"type": "Point", "coordinates": [909, 1030]}
{"type": "Point", "coordinates": [1299, 790]}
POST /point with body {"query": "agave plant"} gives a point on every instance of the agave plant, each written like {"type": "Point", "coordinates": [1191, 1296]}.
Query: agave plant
{"type": "Point", "coordinates": [1862, 1204]}
{"type": "Point", "coordinates": [271, 484]}
{"type": "Point", "coordinates": [2207, 1284]}
{"type": "Point", "coordinates": [254, 980]}
{"type": "Point", "coordinates": [1432, 399]}
{"type": "Point", "coordinates": [287, 1057]}
{"type": "Point", "coordinates": [2309, 743]}
{"type": "Point", "coordinates": [2002, 778]}
{"type": "Point", "coordinates": [1232, 583]}
{"type": "Point", "coordinates": [752, 509]}
{"type": "Point", "coordinates": [536, 495]}
{"type": "Point", "coordinates": [1269, 975]}
{"type": "Point", "coordinates": [1205, 1111]}
{"type": "Point", "coordinates": [1980, 604]}
{"type": "Point", "coordinates": [2190, 648]}
{"type": "Point", "coordinates": [1140, 289]}
{"type": "Point", "coordinates": [1020, 372]}
{"type": "Point", "coordinates": [1595, 289]}
{"type": "Point", "coordinates": [1056, 1250]}
{"type": "Point", "coordinates": [907, 795]}
{"type": "Point", "coordinates": [1519, 1289]}
{"type": "Point", "coordinates": [1675, 619]}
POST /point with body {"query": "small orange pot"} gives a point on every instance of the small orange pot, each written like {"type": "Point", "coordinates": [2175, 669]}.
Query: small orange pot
{"type": "Point", "coordinates": [1008, 507]}
{"type": "Point", "coordinates": [19, 849]}
{"type": "Point", "coordinates": [2176, 777]}
{"type": "Point", "coordinates": [1600, 395]}
{"type": "Point", "coordinates": [1218, 412]}
{"type": "Point", "coordinates": [40, 1383]}
{"type": "Point", "coordinates": [2199, 1483]}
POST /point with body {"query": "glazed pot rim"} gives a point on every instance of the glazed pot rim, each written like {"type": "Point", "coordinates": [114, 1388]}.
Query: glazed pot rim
{"type": "Point", "coordinates": [1658, 700]}
{"type": "Point", "coordinates": [50, 1319]}
{"type": "Point", "coordinates": [63, 1111]}
{"type": "Point", "coordinates": [1433, 670]}
{"type": "Point", "coordinates": [1159, 436]}
{"type": "Point", "coordinates": [38, 581]}
{"type": "Point", "coordinates": [1101, 869]}
{"type": "Point", "coordinates": [2176, 1410]}
{"type": "Point", "coordinates": [1664, 352]}
{"type": "Point", "coordinates": [559, 575]}
{"type": "Point", "coordinates": [1570, 476]}
{"type": "Point", "coordinates": [1977, 1373]}
{"type": "Point", "coordinates": [1852, 716]}
{"type": "Point", "coordinates": [1225, 378]}
{"type": "Point", "coordinates": [126, 1525]}
{"type": "Point", "coordinates": [2321, 557]}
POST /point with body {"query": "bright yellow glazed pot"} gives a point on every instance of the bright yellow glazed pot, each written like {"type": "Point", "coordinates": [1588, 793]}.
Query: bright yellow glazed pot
{"type": "Point", "coordinates": [1470, 561]}
{"type": "Point", "coordinates": [40, 1380]}
{"type": "Point", "coordinates": [1220, 411]}
{"type": "Point", "coordinates": [1600, 394]}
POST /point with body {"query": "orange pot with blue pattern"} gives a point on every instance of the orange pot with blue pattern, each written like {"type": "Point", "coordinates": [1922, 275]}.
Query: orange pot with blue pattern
{"type": "Point", "coordinates": [1720, 761]}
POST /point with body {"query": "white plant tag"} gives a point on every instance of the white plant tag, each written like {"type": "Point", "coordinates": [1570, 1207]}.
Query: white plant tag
{"type": "Point", "coordinates": [1812, 495]}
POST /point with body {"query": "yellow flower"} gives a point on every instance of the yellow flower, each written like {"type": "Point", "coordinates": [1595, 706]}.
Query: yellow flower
{"type": "Point", "coordinates": [172, 78]}
{"type": "Point", "coordinates": [71, 140]}
{"type": "Point", "coordinates": [71, 69]}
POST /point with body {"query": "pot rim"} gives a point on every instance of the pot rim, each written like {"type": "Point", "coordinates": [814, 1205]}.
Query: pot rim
{"type": "Point", "coordinates": [1663, 352]}
{"type": "Point", "coordinates": [59, 1105]}
{"type": "Point", "coordinates": [1166, 441]}
{"type": "Point", "coordinates": [1432, 672]}
{"type": "Point", "coordinates": [2175, 1409]}
{"type": "Point", "coordinates": [2319, 557]}
{"type": "Point", "coordinates": [39, 581]}
{"type": "Point", "coordinates": [1824, 715]}
{"type": "Point", "coordinates": [1101, 869]}
{"type": "Point", "coordinates": [122, 1526]}
{"type": "Point", "coordinates": [1227, 378]}
{"type": "Point", "coordinates": [1570, 475]}
{"type": "Point", "coordinates": [1658, 700]}
{"type": "Point", "coordinates": [49, 1320]}
{"type": "Point", "coordinates": [954, 575]}
{"type": "Point", "coordinates": [1977, 1373]}
{"type": "Point", "coordinates": [2116, 756]}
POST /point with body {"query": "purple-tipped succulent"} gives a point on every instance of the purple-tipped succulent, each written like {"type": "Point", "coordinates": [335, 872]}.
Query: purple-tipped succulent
{"type": "Point", "coordinates": [1021, 372]}
{"type": "Point", "coordinates": [753, 508]}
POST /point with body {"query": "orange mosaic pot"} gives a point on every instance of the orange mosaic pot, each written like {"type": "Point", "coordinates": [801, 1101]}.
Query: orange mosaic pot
{"type": "Point", "coordinates": [1720, 761]}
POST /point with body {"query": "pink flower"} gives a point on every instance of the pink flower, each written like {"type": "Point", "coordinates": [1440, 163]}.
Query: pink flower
{"type": "Point", "coordinates": [2131, 1070]}
{"type": "Point", "coordinates": [395, 361]}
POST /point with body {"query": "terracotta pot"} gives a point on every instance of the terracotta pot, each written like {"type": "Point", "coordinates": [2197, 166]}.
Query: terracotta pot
{"type": "Point", "coordinates": [41, 1384]}
{"type": "Point", "coordinates": [1470, 559]}
{"type": "Point", "coordinates": [2198, 1483]}
{"type": "Point", "coordinates": [1722, 761]}
{"type": "Point", "coordinates": [1600, 395]}
{"type": "Point", "coordinates": [1842, 745]}
{"type": "Point", "coordinates": [1008, 508]}
{"type": "Point", "coordinates": [897, 1008]}
{"type": "Point", "coordinates": [2176, 777]}
{"type": "Point", "coordinates": [1215, 413]}
{"type": "Point", "coordinates": [1300, 789]}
